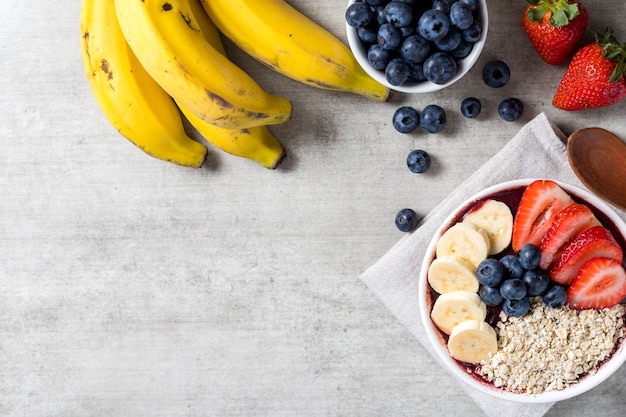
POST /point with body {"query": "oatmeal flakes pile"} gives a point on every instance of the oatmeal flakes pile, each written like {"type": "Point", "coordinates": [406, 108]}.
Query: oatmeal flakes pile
{"type": "Point", "coordinates": [550, 348]}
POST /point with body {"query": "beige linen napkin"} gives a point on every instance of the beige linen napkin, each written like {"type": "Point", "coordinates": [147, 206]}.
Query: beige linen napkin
{"type": "Point", "coordinates": [536, 151]}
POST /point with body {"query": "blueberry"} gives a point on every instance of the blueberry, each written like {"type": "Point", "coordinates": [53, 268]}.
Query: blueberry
{"type": "Point", "coordinates": [415, 49]}
{"type": "Point", "coordinates": [462, 50]}
{"type": "Point", "coordinates": [416, 72]}
{"type": "Point", "coordinates": [406, 119]}
{"type": "Point", "coordinates": [516, 308]}
{"type": "Point", "coordinates": [490, 272]}
{"type": "Point", "coordinates": [496, 74]}
{"type": "Point", "coordinates": [473, 4]}
{"type": "Point", "coordinates": [397, 71]}
{"type": "Point", "coordinates": [367, 34]}
{"type": "Point", "coordinates": [379, 15]}
{"type": "Point", "coordinates": [490, 295]}
{"type": "Point", "coordinates": [461, 15]}
{"type": "Point", "coordinates": [537, 281]}
{"type": "Point", "coordinates": [433, 118]}
{"type": "Point", "coordinates": [398, 13]}
{"type": "Point", "coordinates": [449, 42]}
{"type": "Point", "coordinates": [529, 256]}
{"type": "Point", "coordinates": [513, 289]}
{"type": "Point", "coordinates": [406, 220]}
{"type": "Point", "coordinates": [443, 6]}
{"type": "Point", "coordinates": [440, 68]}
{"type": "Point", "coordinates": [378, 56]}
{"type": "Point", "coordinates": [376, 3]}
{"type": "Point", "coordinates": [472, 33]}
{"type": "Point", "coordinates": [555, 297]}
{"type": "Point", "coordinates": [359, 14]}
{"type": "Point", "coordinates": [510, 109]}
{"type": "Point", "coordinates": [389, 36]}
{"type": "Point", "coordinates": [512, 266]}
{"type": "Point", "coordinates": [471, 107]}
{"type": "Point", "coordinates": [418, 161]}
{"type": "Point", "coordinates": [433, 24]}
{"type": "Point", "coordinates": [406, 31]}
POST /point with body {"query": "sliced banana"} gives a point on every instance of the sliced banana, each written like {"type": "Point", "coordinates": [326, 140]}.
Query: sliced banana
{"type": "Point", "coordinates": [496, 219]}
{"type": "Point", "coordinates": [466, 241]}
{"type": "Point", "coordinates": [472, 341]}
{"type": "Point", "coordinates": [451, 273]}
{"type": "Point", "coordinates": [455, 307]}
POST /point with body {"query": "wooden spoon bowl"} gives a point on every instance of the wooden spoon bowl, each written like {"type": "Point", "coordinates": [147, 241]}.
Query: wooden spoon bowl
{"type": "Point", "coordinates": [598, 158]}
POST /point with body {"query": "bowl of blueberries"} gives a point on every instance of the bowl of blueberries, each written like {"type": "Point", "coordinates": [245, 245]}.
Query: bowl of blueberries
{"type": "Point", "coordinates": [416, 46]}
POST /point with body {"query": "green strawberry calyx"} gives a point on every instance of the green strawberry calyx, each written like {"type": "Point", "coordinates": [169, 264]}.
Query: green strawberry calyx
{"type": "Point", "coordinates": [613, 51]}
{"type": "Point", "coordinates": [561, 11]}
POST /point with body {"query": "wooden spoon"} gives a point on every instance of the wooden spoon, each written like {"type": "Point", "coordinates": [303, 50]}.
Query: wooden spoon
{"type": "Point", "coordinates": [598, 158]}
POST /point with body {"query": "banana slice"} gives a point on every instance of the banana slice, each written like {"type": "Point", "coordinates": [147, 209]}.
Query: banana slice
{"type": "Point", "coordinates": [455, 307]}
{"type": "Point", "coordinates": [496, 219]}
{"type": "Point", "coordinates": [451, 273]}
{"type": "Point", "coordinates": [472, 341]}
{"type": "Point", "coordinates": [464, 240]}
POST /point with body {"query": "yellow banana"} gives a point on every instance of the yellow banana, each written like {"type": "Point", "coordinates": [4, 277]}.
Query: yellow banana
{"type": "Point", "coordinates": [254, 143]}
{"type": "Point", "coordinates": [132, 101]}
{"type": "Point", "coordinates": [286, 40]}
{"type": "Point", "coordinates": [166, 38]}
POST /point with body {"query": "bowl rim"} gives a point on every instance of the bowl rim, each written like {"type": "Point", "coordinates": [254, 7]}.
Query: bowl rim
{"type": "Point", "coordinates": [583, 385]}
{"type": "Point", "coordinates": [464, 65]}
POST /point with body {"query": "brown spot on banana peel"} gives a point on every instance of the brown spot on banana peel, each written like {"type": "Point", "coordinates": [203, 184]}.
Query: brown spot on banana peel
{"type": "Point", "coordinates": [166, 7]}
{"type": "Point", "coordinates": [188, 22]}
{"type": "Point", "coordinates": [104, 66]}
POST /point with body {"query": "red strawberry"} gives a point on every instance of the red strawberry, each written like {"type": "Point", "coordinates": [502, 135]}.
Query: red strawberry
{"type": "Point", "coordinates": [595, 77]}
{"type": "Point", "coordinates": [568, 223]}
{"type": "Point", "coordinates": [541, 202]}
{"type": "Point", "coordinates": [601, 283]}
{"type": "Point", "coordinates": [596, 242]}
{"type": "Point", "coordinates": [555, 27]}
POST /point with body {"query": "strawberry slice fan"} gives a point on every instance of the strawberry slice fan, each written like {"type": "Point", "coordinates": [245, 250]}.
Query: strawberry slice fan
{"type": "Point", "coordinates": [577, 251]}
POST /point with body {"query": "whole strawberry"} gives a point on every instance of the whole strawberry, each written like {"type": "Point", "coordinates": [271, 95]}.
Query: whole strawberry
{"type": "Point", "coordinates": [595, 77]}
{"type": "Point", "coordinates": [554, 27]}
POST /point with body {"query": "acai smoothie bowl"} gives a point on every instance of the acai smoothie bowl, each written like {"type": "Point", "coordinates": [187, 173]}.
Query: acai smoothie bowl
{"type": "Point", "coordinates": [523, 291]}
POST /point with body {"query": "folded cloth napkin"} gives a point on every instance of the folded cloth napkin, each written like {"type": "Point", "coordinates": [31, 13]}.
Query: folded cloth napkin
{"type": "Point", "coordinates": [536, 151]}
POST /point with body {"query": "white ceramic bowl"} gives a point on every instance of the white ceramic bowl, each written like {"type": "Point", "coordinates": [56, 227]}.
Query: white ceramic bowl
{"type": "Point", "coordinates": [586, 382]}
{"type": "Point", "coordinates": [464, 65]}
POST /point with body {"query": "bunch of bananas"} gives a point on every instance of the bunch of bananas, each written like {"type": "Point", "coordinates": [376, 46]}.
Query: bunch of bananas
{"type": "Point", "coordinates": [150, 63]}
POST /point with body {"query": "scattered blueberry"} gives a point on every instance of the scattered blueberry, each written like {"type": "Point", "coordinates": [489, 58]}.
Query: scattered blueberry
{"type": "Point", "coordinates": [359, 14]}
{"type": "Point", "coordinates": [378, 56]}
{"type": "Point", "coordinates": [397, 71]}
{"type": "Point", "coordinates": [510, 109]}
{"type": "Point", "coordinates": [529, 256]}
{"type": "Point", "coordinates": [406, 119]}
{"type": "Point", "coordinates": [490, 272]}
{"type": "Point", "coordinates": [433, 118]}
{"type": "Point", "coordinates": [433, 24]}
{"type": "Point", "coordinates": [471, 107]}
{"type": "Point", "coordinates": [461, 15]}
{"type": "Point", "coordinates": [398, 13]}
{"type": "Point", "coordinates": [496, 74]}
{"type": "Point", "coordinates": [418, 161]}
{"type": "Point", "coordinates": [415, 49]}
{"type": "Point", "coordinates": [513, 289]}
{"type": "Point", "coordinates": [406, 220]}
{"type": "Point", "coordinates": [516, 308]}
{"type": "Point", "coordinates": [537, 281]}
{"type": "Point", "coordinates": [440, 68]}
{"type": "Point", "coordinates": [512, 266]}
{"type": "Point", "coordinates": [490, 295]}
{"type": "Point", "coordinates": [555, 297]}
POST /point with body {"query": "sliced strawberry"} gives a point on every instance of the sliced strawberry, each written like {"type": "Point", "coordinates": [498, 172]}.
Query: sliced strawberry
{"type": "Point", "coordinates": [595, 242]}
{"type": "Point", "coordinates": [568, 223]}
{"type": "Point", "coordinates": [540, 203]}
{"type": "Point", "coordinates": [601, 283]}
